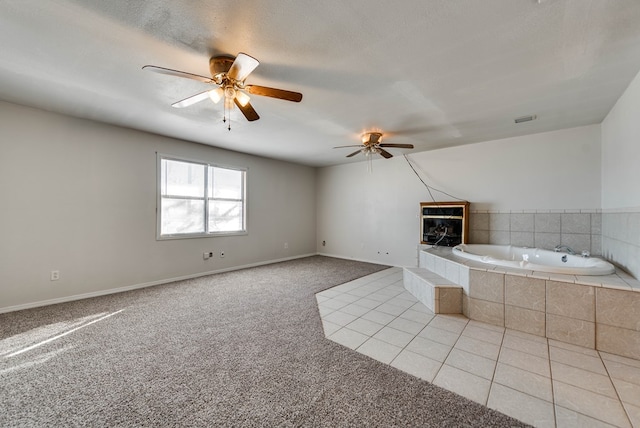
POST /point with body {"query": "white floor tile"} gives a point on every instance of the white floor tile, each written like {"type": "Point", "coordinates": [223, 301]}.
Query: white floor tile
{"type": "Point", "coordinates": [627, 391]}
{"type": "Point", "coordinates": [428, 348]}
{"type": "Point", "coordinates": [364, 326]}
{"type": "Point", "coordinates": [566, 418]}
{"type": "Point", "coordinates": [540, 349]}
{"type": "Point", "coordinates": [367, 303]}
{"type": "Point", "coordinates": [394, 337]}
{"type": "Point", "coordinates": [589, 403]}
{"type": "Point", "coordinates": [472, 363]}
{"type": "Point", "coordinates": [349, 338]}
{"type": "Point", "coordinates": [483, 334]}
{"type": "Point", "coordinates": [478, 347]}
{"type": "Point", "coordinates": [577, 359]}
{"type": "Point", "coordinates": [354, 309]}
{"type": "Point", "coordinates": [622, 371]}
{"type": "Point", "coordinates": [419, 317]}
{"type": "Point", "coordinates": [584, 379]}
{"type": "Point", "coordinates": [406, 325]}
{"type": "Point", "coordinates": [449, 324]}
{"type": "Point", "coordinates": [340, 318]}
{"type": "Point", "coordinates": [379, 317]}
{"type": "Point", "coordinates": [523, 407]}
{"type": "Point", "coordinates": [633, 412]}
{"type": "Point", "coordinates": [471, 386]}
{"type": "Point", "coordinates": [438, 335]}
{"type": "Point", "coordinates": [525, 361]}
{"type": "Point", "coordinates": [390, 309]}
{"type": "Point", "coordinates": [379, 350]}
{"type": "Point", "coordinates": [524, 381]}
{"type": "Point", "coordinates": [416, 365]}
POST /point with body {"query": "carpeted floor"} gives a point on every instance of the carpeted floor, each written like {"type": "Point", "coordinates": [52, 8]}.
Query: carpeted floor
{"type": "Point", "coordinates": [243, 348]}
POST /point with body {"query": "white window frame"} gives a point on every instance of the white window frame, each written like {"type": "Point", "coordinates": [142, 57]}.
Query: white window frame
{"type": "Point", "coordinates": [206, 234]}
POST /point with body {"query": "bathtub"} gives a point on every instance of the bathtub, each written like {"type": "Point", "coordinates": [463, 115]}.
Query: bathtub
{"type": "Point", "coordinates": [534, 259]}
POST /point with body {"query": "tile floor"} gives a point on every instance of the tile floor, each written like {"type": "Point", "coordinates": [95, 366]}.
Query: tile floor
{"type": "Point", "coordinates": [539, 381]}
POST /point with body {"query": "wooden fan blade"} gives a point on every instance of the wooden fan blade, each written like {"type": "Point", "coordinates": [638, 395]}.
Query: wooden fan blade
{"type": "Point", "coordinates": [242, 66]}
{"type": "Point", "coordinates": [178, 73]}
{"type": "Point", "coordinates": [247, 110]}
{"type": "Point", "coordinates": [354, 145]}
{"type": "Point", "coordinates": [354, 153]}
{"type": "Point", "coordinates": [399, 146]}
{"type": "Point", "coordinates": [274, 93]}
{"type": "Point", "coordinates": [385, 154]}
{"type": "Point", "coordinates": [191, 100]}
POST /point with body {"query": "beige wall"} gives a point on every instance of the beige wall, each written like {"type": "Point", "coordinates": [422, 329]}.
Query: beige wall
{"type": "Point", "coordinates": [80, 197]}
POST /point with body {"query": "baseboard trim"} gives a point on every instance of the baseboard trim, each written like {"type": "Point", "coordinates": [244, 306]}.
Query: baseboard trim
{"type": "Point", "coordinates": [82, 296]}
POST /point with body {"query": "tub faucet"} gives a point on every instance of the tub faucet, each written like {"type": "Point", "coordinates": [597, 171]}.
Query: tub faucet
{"type": "Point", "coordinates": [568, 249]}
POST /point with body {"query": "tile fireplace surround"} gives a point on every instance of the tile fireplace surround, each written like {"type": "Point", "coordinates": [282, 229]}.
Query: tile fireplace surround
{"type": "Point", "coordinates": [598, 312]}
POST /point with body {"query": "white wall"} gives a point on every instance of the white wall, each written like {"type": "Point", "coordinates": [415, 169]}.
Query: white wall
{"type": "Point", "coordinates": [621, 151]}
{"type": "Point", "coordinates": [621, 181]}
{"type": "Point", "coordinates": [365, 216]}
{"type": "Point", "coordinates": [80, 197]}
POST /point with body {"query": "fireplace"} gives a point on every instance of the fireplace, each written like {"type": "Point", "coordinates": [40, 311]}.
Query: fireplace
{"type": "Point", "coordinates": [444, 223]}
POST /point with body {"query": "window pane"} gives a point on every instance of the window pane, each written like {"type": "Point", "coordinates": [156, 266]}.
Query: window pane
{"type": "Point", "coordinates": [182, 178]}
{"type": "Point", "coordinates": [182, 216]}
{"type": "Point", "coordinates": [225, 183]}
{"type": "Point", "coordinates": [225, 216]}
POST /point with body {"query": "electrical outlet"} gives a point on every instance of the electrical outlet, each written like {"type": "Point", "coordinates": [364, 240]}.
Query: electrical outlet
{"type": "Point", "coordinates": [222, 254]}
{"type": "Point", "coordinates": [324, 243]}
{"type": "Point", "coordinates": [286, 245]}
{"type": "Point", "coordinates": [55, 275]}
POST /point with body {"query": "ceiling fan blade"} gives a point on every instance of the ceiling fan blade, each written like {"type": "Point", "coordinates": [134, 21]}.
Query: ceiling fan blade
{"type": "Point", "coordinates": [385, 154]}
{"type": "Point", "coordinates": [399, 146]}
{"type": "Point", "coordinates": [191, 100]}
{"type": "Point", "coordinates": [242, 66]}
{"type": "Point", "coordinates": [247, 110]}
{"type": "Point", "coordinates": [354, 153]}
{"type": "Point", "coordinates": [177, 73]}
{"type": "Point", "coordinates": [355, 145]}
{"type": "Point", "coordinates": [274, 93]}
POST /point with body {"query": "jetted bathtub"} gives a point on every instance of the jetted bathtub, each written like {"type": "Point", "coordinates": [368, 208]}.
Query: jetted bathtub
{"type": "Point", "coordinates": [534, 259]}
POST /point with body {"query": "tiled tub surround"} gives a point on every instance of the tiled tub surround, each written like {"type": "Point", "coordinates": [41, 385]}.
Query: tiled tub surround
{"type": "Point", "coordinates": [598, 312]}
{"type": "Point", "coordinates": [621, 239]}
{"type": "Point", "coordinates": [580, 230]}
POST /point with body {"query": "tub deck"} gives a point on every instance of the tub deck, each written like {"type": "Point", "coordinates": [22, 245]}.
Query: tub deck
{"type": "Point", "coordinates": [598, 312]}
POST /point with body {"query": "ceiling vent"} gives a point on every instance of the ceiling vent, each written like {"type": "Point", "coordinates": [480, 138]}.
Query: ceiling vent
{"type": "Point", "coordinates": [525, 118]}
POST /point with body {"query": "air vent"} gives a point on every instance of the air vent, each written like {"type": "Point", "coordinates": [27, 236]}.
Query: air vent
{"type": "Point", "coordinates": [525, 118]}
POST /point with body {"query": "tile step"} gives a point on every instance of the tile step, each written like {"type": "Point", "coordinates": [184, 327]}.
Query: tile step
{"type": "Point", "coordinates": [438, 294]}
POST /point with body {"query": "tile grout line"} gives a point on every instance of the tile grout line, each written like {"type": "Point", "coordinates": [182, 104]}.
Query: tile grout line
{"type": "Point", "coordinates": [553, 392]}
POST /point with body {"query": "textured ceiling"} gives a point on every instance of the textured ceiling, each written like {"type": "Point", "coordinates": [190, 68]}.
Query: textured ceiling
{"type": "Point", "coordinates": [433, 73]}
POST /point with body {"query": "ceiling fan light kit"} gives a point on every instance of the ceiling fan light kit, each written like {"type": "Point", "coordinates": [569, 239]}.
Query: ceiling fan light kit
{"type": "Point", "coordinates": [229, 74]}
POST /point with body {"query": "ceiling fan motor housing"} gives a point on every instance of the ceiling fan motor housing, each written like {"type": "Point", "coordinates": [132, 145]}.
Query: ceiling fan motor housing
{"type": "Point", "coordinates": [220, 64]}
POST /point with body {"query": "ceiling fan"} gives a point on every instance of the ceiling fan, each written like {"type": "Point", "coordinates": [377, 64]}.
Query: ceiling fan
{"type": "Point", "coordinates": [229, 75]}
{"type": "Point", "coordinates": [372, 144]}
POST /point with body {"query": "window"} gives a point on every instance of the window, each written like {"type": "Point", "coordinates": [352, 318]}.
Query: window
{"type": "Point", "coordinates": [198, 199]}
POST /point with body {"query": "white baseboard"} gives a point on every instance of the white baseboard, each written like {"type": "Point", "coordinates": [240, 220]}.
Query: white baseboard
{"type": "Point", "coordinates": [142, 285]}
